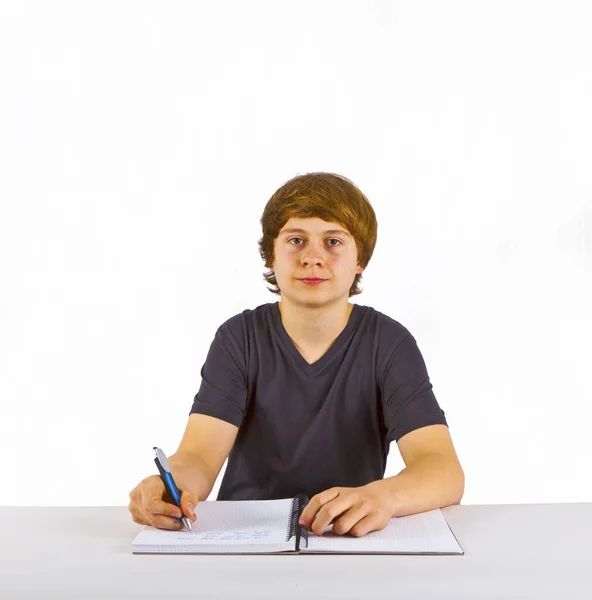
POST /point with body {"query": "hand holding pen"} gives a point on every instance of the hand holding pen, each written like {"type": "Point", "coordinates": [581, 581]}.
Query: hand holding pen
{"type": "Point", "coordinates": [150, 504]}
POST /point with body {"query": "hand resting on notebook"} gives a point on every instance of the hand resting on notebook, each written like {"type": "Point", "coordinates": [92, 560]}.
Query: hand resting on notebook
{"type": "Point", "coordinates": [352, 510]}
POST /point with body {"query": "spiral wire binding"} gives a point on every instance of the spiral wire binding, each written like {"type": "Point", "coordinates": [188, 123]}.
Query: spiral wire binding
{"type": "Point", "coordinates": [299, 502]}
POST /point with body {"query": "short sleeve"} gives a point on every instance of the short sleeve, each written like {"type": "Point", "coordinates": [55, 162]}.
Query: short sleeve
{"type": "Point", "coordinates": [223, 390]}
{"type": "Point", "coordinates": [408, 401]}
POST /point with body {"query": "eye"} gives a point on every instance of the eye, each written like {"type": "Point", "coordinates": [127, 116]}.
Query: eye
{"type": "Point", "coordinates": [330, 240]}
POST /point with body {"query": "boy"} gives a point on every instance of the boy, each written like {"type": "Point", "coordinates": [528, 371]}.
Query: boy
{"type": "Point", "coordinates": [305, 395]}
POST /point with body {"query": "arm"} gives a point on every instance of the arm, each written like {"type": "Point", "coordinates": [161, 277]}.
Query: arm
{"type": "Point", "coordinates": [432, 478]}
{"type": "Point", "coordinates": [205, 445]}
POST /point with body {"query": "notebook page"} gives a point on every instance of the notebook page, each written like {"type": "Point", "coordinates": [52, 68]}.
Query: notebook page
{"type": "Point", "coordinates": [423, 532]}
{"type": "Point", "coordinates": [227, 526]}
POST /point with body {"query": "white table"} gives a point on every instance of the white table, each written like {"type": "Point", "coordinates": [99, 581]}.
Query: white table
{"type": "Point", "coordinates": [534, 551]}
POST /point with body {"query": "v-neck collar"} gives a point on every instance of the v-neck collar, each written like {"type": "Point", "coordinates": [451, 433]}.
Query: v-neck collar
{"type": "Point", "coordinates": [318, 365]}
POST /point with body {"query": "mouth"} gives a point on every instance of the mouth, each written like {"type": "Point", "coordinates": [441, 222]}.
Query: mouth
{"type": "Point", "coordinates": [312, 281]}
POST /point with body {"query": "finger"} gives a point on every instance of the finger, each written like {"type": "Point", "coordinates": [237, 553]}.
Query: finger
{"type": "Point", "coordinates": [139, 521]}
{"type": "Point", "coordinates": [154, 520]}
{"type": "Point", "coordinates": [188, 503]}
{"type": "Point", "coordinates": [160, 508]}
{"type": "Point", "coordinates": [316, 503]}
{"type": "Point", "coordinates": [351, 520]}
{"type": "Point", "coordinates": [136, 495]}
{"type": "Point", "coordinates": [135, 507]}
{"type": "Point", "coordinates": [138, 518]}
{"type": "Point", "coordinates": [364, 526]}
{"type": "Point", "coordinates": [162, 522]}
{"type": "Point", "coordinates": [331, 511]}
{"type": "Point", "coordinates": [152, 503]}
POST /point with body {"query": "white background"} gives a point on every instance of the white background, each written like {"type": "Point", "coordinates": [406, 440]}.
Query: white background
{"type": "Point", "coordinates": [140, 142]}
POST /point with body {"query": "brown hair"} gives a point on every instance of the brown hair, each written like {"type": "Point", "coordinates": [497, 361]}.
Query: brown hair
{"type": "Point", "coordinates": [328, 196]}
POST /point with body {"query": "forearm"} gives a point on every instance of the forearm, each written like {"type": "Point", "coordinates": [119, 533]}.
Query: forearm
{"type": "Point", "coordinates": [192, 474]}
{"type": "Point", "coordinates": [431, 482]}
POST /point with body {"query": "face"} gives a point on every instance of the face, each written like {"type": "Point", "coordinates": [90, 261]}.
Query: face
{"type": "Point", "coordinates": [317, 249]}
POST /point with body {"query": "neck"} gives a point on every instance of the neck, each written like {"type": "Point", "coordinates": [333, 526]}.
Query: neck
{"type": "Point", "coordinates": [314, 327]}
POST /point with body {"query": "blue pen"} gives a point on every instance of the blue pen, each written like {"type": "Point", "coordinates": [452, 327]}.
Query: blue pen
{"type": "Point", "coordinates": [164, 468]}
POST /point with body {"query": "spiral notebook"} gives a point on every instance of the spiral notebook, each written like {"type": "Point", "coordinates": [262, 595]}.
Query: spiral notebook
{"type": "Point", "coordinates": [271, 526]}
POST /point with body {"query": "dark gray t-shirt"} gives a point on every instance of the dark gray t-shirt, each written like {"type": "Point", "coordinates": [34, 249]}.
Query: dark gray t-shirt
{"type": "Point", "coordinates": [304, 428]}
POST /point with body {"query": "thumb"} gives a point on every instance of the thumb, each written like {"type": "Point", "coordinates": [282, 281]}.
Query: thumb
{"type": "Point", "coordinates": [188, 503]}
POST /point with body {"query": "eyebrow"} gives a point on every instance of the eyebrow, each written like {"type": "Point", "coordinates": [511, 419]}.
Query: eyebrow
{"type": "Point", "coordinates": [297, 230]}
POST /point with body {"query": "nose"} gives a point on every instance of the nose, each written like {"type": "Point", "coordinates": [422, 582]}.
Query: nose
{"type": "Point", "coordinates": [312, 254]}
